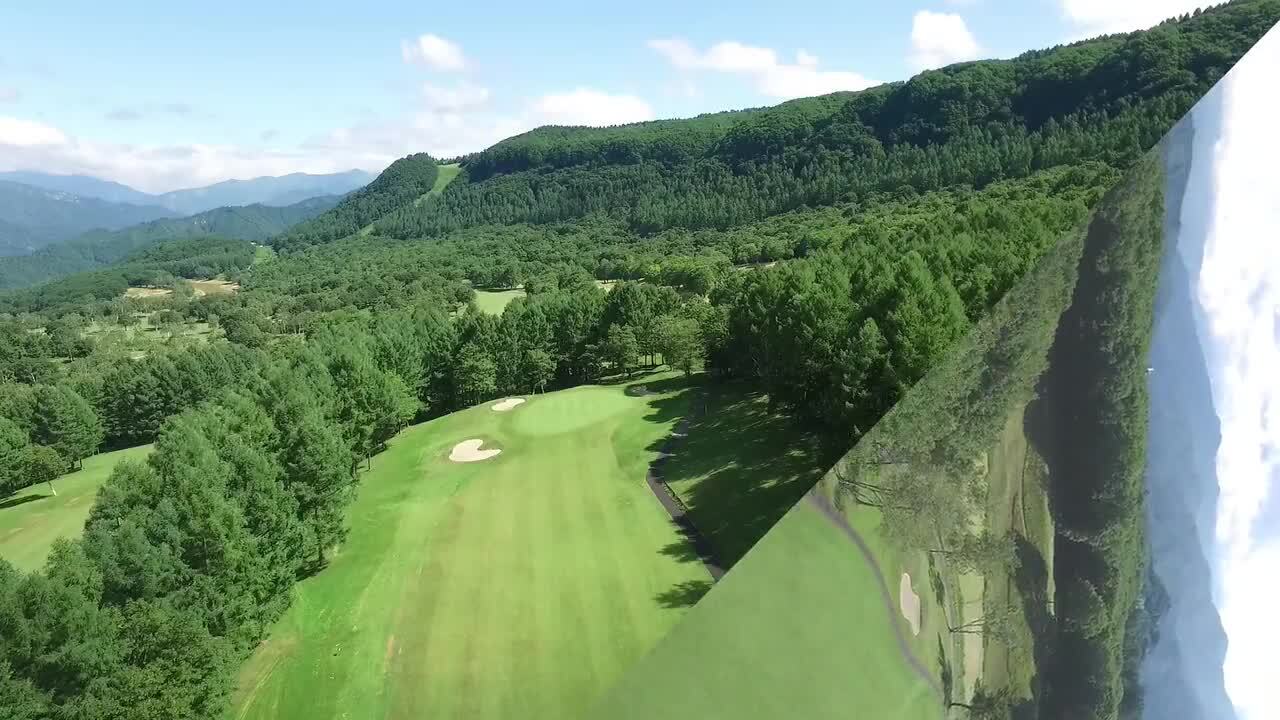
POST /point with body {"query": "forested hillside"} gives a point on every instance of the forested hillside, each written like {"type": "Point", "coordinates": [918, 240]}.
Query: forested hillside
{"type": "Point", "coordinates": [828, 251]}
{"type": "Point", "coordinates": [99, 248]}
{"type": "Point", "coordinates": [32, 217]}
{"type": "Point", "coordinates": [1108, 99]}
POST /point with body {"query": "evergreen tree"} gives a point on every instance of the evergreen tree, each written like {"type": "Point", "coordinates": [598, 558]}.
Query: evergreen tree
{"type": "Point", "coordinates": [66, 422]}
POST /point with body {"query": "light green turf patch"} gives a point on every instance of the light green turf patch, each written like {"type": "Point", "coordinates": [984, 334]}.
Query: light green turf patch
{"type": "Point", "coordinates": [32, 519]}
{"type": "Point", "coordinates": [446, 175]}
{"type": "Point", "coordinates": [495, 301]}
{"type": "Point", "coordinates": [520, 586]}
{"type": "Point", "coordinates": [570, 410]}
{"type": "Point", "coordinates": [263, 253]}
{"type": "Point", "coordinates": [798, 629]}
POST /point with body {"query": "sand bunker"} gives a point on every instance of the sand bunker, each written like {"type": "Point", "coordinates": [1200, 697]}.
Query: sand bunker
{"type": "Point", "coordinates": [910, 603]}
{"type": "Point", "coordinates": [469, 451]}
{"type": "Point", "coordinates": [640, 390]}
{"type": "Point", "coordinates": [506, 405]}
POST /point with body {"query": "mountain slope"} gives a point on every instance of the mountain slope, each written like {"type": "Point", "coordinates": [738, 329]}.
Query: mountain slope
{"type": "Point", "coordinates": [400, 185]}
{"type": "Point", "coordinates": [98, 248]}
{"type": "Point", "coordinates": [1106, 99]}
{"type": "Point", "coordinates": [278, 191]}
{"type": "Point", "coordinates": [82, 185]}
{"type": "Point", "coordinates": [32, 217]}
{"type": "Point", "coordinates": [269, 190]}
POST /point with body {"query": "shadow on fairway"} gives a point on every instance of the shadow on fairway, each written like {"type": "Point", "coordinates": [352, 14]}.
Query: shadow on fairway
{"type": "Point", "coordinates": [22, 500]}
{"type": "Point", "coordinates": [686, 594]}
{"type": "Point", "coordinates": [740, 469]}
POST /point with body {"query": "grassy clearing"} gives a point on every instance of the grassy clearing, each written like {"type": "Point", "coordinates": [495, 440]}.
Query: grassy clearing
{"type": "Point", "coordinates": [263, 253]}
{"type": "Point", "coordinates": [214, 287]}
{"type": "Point", "coordinates": [520, 586]}
{"type": "Point", "coordinates": [741, 468]}
{"type": "Point", "coordinates": [32, 519]}
{"type": "Point", "coordinates": [798, 629]}
{"type": "Point", "coordinates": [446, 175]}
{"type": "Point", "coordinates": [495, 301]}
{"type": "Point", "coordinates": [1017, 501]}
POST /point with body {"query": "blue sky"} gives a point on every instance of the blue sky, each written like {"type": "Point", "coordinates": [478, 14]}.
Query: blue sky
{"type": "Point", "coordinates": [193, 94]}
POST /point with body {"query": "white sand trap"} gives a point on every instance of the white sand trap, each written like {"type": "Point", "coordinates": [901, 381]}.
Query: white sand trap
{"type": "Point", "coordinates": [506, 405]}
{"type": "Point", "coordinates": [640, 390]}
{"type": "Point", "coordinates": [469, 451]}
{"type": "Point", "coordinates": [910, 602]}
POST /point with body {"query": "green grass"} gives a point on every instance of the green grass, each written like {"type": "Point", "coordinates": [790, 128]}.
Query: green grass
{"type": "Point", "coordinates": [1017, 501]}
{"type": "Point", "coordinates": [32, 519]}
{"type": "Point", "coordinates": [446, 175]}
{"type": "Point", "coordinates": [521, 586]}
{"type": "Point", "coordinates": [494, 301]}
{"type": "Point", "coordinates": [797, 630]}
{"type": "Point", "coordinates": [741, 468]}
{"type": "Point", "coordinates": [263, 253]}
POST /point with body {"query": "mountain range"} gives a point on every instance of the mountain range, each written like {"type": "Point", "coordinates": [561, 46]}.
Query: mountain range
{"type": "Point", "coordinates": [279, 191]}
{"type": "Point", "coordinates": [96, 248]}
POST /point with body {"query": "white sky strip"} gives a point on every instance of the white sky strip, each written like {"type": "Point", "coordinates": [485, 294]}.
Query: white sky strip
{"type": "Point", "coordinates": [1239, 292]}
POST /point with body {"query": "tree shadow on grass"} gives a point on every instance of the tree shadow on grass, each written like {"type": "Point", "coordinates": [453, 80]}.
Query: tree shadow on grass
{"type": "Point", "coordinates": [740, 468]}
{"type": "Point", "coordinates": [1032, 580]}
{"type": "Point", "coordinates": [682, 551]}
{"type": "Point", "coordinates": [21, 500]}
{"type": "Point", "coordinates": [685, 594]}
{"type": "Point", "coordinates": [944, 672]}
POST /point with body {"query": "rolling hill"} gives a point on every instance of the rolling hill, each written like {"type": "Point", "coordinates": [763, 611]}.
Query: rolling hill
{"type": "Point", "coordinates": [99, 248]}
{"type": "Point", "coordinates": [32, 217]}
{"type": "Point", "coordinates": [270, 190]}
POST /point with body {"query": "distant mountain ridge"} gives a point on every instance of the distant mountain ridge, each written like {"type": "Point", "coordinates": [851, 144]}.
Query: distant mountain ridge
{"type": "Point", "coordinates": [267, 190]}
{"type": "Point", "coordinates": [32, 217]}
{"type": "Point", "coordinates": [99, 248]}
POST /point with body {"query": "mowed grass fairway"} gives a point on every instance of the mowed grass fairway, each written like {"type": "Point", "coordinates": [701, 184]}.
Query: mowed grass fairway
{"type": "Point", "coordinates": [495, 301]}
{"type": "Point", "coordinates": [798, 629]}
{"type": "Point", "coordinates": [31, 519]}
{"type": "Point", "coordinates": [522, 586]}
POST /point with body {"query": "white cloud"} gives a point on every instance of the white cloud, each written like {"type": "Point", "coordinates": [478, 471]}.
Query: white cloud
{"type": "Point", "coordinates": [26, 133]}
{"type": "Point", "coordinates": [939, 39]}
{"type": "Point", "coordinates": [771, 76]}
{"type": "Point", "coordinates": [434, 52]}
{"type": "Point", "coordinates": [590, 107]}
{"type": "Point", "coordinates": [463, 96]}
{"type": "Point", "coordinates": [451, 121]}
{"type": "Point", "coordinates": [1098, 17]}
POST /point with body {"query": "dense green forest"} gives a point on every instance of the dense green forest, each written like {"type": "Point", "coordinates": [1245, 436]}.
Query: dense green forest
{"type": "Point", "coordinates": [897, 218]}
{"type": "Point", "coordinates": [99, 248]}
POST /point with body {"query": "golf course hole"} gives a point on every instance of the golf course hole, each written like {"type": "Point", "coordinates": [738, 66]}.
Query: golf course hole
{"type": "Point", "coordinates": [469, 451]}
{"type": "Point", "coordinates": [910, 603]}
{"type": "Point", "coordinates": [505, 405]}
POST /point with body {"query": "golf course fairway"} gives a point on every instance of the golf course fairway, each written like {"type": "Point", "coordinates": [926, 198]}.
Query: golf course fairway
{"type": "Point", "coordinates": [799, 629]}
{"type": "Point", "coordinates": [31, 519]}
{"type": "Point", "coordinates": [521, 585]}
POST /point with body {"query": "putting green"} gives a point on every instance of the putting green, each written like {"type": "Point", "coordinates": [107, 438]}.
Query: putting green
{"type": "Point", "coordinates": [519, 586]}
{"type": "Point", "coordinates": [32, 519]}
{"type": "Point", "coordinates": [570, 410]}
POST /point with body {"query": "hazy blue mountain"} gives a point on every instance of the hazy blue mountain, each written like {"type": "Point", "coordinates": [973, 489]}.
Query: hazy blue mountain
{"type": "Point", "coordinates": [32, 217]}
{"type": "Point", "coordinates": [82, 185]}
{"type": "Point", "coordinates": [99, 248]}
{"type": "Point", "coordinates": [279, 191]}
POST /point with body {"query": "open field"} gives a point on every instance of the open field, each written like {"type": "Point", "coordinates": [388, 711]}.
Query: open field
{"type": "Point", "coordinates": [444, 176]}
{"type": "Point", "coordinates": [1017, 500]}
{"type": "Point", "coordinates": [495, 301]}
{"type": "Point", "coordinates": [741, 468]}
{"type": "Point", "coordinates": [800, 628]}
{"type": "Point", "coordinates": [522, 585]}
{"type": "Point", "coordinates": [214, 287]}
{"type": "Point", "coordinates": [31, 519]}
